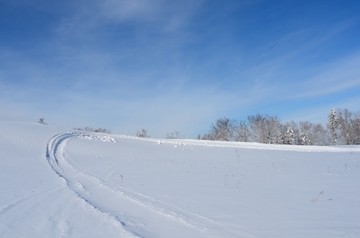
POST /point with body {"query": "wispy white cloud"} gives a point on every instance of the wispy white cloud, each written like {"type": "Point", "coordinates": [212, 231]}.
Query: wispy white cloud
{"type": "Point", "coordinates": [129, 10]}
{"type": "Point", "coordinates": [335, 77]}
{"type": "Point", "coordinates": [296, 66]}
{"type": "Point", "coordinates": [158, 15]}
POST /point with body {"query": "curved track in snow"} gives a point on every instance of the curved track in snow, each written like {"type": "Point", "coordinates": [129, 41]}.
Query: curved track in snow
{"type": "Point", "coordinates": [138, 214]}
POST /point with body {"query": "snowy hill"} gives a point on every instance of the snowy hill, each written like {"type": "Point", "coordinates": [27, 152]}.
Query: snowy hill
{"type": "Point", "coordinates": [56, 183]}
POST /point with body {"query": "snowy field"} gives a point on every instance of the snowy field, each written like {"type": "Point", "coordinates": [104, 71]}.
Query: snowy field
{"type": "Point", "coordinates": [59, 183]}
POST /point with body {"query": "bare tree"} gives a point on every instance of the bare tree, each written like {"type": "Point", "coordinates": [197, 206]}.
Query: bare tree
{"type": "Point", "coordinates": [241, 132]}
{"type": "Point", "coordinates": [97, 130]}
{"type": "Point", "coordinates": [102, 130]}
{"type": "Point", "coordinates": [42, 121]}
{"type": "Point", "coordinates": [264, 129]}
{"type": "Point", "coordinates": [312, 134]}
{"type": "Point", "coordinates": [342, 125]}
{"type": "Point", "coordinates": [223, 129]}
{"type": "Point", "coordinates": [257, 127]}
{"type": "Point", "coordinates": [345, 126]}
{"type": "Point", "coordinates": [173, 135]}
{"type": "Point", "coordinates": [349, 126]}
{"type": "Point", "coordinates": [319, 135]}
{"type": "Point", "coordinates": [272, 129]}
{"type": "Point", "coordinates": [142, 133]}
{"type": "Point", "coordinates": [356, 129]}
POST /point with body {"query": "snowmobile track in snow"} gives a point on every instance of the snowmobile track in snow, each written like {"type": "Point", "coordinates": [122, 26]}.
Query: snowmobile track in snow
{"type": "Point", "coordinates": [138, 214]}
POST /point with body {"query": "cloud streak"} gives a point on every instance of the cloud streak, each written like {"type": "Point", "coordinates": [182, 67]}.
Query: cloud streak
{"type": "Point", "coordinates": [336, 77]}
{"type": "Point", "coordinates": [161, 16]}
{"type": "Point", "coordinates": [177, 65]}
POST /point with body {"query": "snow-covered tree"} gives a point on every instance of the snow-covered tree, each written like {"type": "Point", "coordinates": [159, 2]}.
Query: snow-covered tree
{"type": "Point", "coordinates": [305, 137]}
{"type": "Point", "coordinates": [288, 133]}
{"type": "Point", "coordinates": [289, 136]}
{"type": "Point", "coordinates": [356, 130]}
{"type": "Point", "coordinates": [272, 129]}
{"type": "Point", "coordinates": [223, 129]}
{"type": "Point", "coordinates": [345, 123]}
{"type": "Point", "coordinates": [257, 127]}
{"type": "Point", "coordinates": [242, 132]}
{"type": "Point", "coordinates": [264, 128]}
{"type": "Point", "coordinates": [333, 124]}
{"type": "Point", "coordinates": [349, 127]}
{"type": "Point", "coordinates": [320, 135]}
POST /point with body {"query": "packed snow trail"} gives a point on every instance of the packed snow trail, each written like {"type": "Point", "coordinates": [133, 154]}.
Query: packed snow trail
{"type": "Point", "coordinates": [139, 215]}
{"type": "Point", "coordinates": [56, 158]}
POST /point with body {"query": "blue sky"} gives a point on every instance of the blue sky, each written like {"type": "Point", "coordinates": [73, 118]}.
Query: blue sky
{"type": "Point", "coordinates": [176, 65]}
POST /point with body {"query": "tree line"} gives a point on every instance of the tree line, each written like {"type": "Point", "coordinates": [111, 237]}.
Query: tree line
{"type": "Point", "coordinates": [343, 127]}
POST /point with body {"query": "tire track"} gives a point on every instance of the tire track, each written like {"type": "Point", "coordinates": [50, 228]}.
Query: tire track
{"type": "Point", "coordinates": [139, 215]}
{"type": "Point", "coordinates": [55, 156]}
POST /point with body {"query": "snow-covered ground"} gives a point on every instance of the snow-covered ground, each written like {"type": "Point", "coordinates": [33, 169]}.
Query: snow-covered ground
{"type": "Point", "coordinates": [58, 183]}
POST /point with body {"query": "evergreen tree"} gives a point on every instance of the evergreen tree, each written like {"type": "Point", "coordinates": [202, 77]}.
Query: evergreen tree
{"type": "Point", "coordinates": [289, 136]}
{"type": "Point", "coordinates": [333, 124]}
